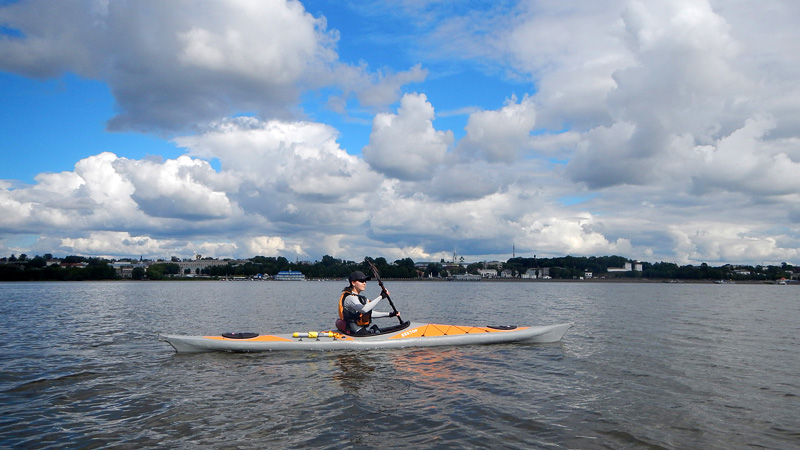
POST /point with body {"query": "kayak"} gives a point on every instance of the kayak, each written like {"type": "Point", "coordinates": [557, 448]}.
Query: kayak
{"type": "Point", "coordinates": [407, 334]}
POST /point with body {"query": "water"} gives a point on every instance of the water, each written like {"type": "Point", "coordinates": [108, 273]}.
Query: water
{"type": "Point", "coordinates": [645, 366]}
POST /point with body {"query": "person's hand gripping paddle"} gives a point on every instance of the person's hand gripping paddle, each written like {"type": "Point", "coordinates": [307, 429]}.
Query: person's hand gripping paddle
{"type": "Point", "coordinates": [385, 293]}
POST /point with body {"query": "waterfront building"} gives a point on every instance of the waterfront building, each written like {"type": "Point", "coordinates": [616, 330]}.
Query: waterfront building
{"type": "Point", "coordinates": [466, 277]}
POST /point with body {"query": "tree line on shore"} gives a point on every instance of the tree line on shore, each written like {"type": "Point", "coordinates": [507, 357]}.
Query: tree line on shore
{"type": "Point", "coordinates": [71, 268]}
{"type": "Point", "coordinates": [77, 268]}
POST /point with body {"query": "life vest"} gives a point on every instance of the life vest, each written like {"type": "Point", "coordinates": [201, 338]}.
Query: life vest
{"type": "Point", "coordinates": [360, 319]}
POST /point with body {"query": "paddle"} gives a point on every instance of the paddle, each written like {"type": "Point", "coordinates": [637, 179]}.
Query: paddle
{"type": "Point", "coordinates": [377, 276]}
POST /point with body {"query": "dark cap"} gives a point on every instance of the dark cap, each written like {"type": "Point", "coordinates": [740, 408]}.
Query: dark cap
{"type": "Point", "coordinates": [358, 276]}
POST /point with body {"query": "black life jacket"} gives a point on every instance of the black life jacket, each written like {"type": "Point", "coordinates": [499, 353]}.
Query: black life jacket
{"type": "Point", "coordinates": [360, 319]}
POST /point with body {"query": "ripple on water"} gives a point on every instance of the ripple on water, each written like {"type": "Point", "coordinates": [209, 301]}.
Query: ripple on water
{"type": "Point", "coordinates": [644, 366]}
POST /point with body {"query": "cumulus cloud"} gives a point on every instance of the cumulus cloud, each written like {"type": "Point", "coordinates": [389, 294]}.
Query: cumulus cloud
{"type": "Point", "coordinates": [631, 79]}
{"type": "Point", "coordinates": [109, 192]}
{"type": "Point", "coordinates": [290, 168]}
{"type": "Point", "coordinates": [463, 181]}
{"type": "Point", "coordinates": [93, 194]}
{"type": "Point", "coordinates": [382, 88]}
{"type": "Point", "coordinates": [516, 216]}
{"type": "Point", "coordinates": [173, 65]}
{"type": "Point", "coordinates": [270, 245]}
{"type": "Point", "coordinates": [727, 242]}
{"type": "Point", "coordinates": [742, 162]}
{"type": "Point", "coordinates": [284, 178]}
{"type": "Point", "coordinates": [573, 235]}
{"type": "Point", "coordinates": [502, 135]}
{"type": "Point", "coordinates": [104, 243]}
{"type": "Point", "coordinates": [181, 188]}
{"type": "Point", "coordinates": [571, 52]}
{"type": "Point", "coordinates": [406, 145]}
{"type": "Point", "coordinates": [16, 210]}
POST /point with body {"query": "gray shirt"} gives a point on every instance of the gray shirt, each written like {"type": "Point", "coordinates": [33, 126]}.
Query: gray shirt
{"type": "Point", "coordinates": [352, 303]}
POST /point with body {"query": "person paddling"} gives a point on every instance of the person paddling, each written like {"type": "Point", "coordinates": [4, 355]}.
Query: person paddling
{"type": "Point", "coordinates": [355, 310]}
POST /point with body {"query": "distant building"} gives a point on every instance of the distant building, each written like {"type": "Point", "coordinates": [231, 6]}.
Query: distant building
{"type": "Point", "coordinates": [290, 275]}
{"type": "Point", "coordinates": [536, 273]}
{"type": "Point", "coordinates": [467, 277]}
{"type": "Point", "coordinates": [629, 267]}
{"type": "Point", "coordinates": [200, 264]}
{"type": "Point", "coordinates": [125, 268]}
{"type": "Point", "coordinates": [487, 273]}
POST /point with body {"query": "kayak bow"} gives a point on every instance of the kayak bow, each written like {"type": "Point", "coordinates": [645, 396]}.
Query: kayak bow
{"type": "Point", "coordinates": [414, 334]}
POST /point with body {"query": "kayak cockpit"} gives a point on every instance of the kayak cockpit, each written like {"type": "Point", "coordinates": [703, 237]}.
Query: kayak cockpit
{"type": "Point", "coordinates": [342, 327]}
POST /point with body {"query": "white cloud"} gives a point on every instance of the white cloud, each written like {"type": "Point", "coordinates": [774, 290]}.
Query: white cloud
{"type": "Point", "coordinates": [115, 243]}
{"type": "Point", "coordinates": [94, 194]}
{"type": "Point", "coordinates": [298, 160]}
{"type": "Point", "coordinates": [265, 245]}
{"type": "Point", "coordinates": [727, 242]}
{"type": "Point", "coordinates": [463, 181]}
{"type": "Point", "coordinates": [502, 135]}
{"type": "Point", "coordinates": [570, 235]}
{"type": "Point", "coordinates": [273, 41]}
{"type": "Point", "coordinates": [499, 220]}
{"type": "Point", "coordinates": [173, 65]}
{"type": "Point", "coordinates": [109, 189]}
{"type": "Point", "coordinates": [103, 243]}
{"type": "Point", "coordinates": [571, 51]}
{"type": "Point", "coordinates": [406, 145]}
{"type": "Point", "coordinates": [380, 89]}
{"type": "Point", "coordinates": [177, 188]}
{"type": "Point", "coordinates": [110, 193]}
{"type": "Point", "coordinates": [15, 211]}
{"type": "Point", "coordinates": [742, 162]}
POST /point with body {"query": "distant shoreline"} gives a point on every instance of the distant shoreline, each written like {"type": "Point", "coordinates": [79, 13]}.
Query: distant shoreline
{"type": "Point", "coordinates": [589, 280]}
{"type": "Point", "coordinates": [444, 280]}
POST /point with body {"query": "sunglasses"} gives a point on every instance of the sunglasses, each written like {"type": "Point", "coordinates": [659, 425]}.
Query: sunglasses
{"type": "Point", "coordinates": [362, 281]}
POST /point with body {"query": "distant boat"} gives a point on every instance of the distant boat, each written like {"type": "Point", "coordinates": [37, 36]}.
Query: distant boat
{"type": "Point", "coordinates": [290, 275]}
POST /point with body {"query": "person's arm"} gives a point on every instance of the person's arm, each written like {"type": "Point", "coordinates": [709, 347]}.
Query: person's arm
{"type": "Point", "coordinates": [377, 314]}
{"type": "Point", "coordinates": [356, 305]}
{"type": "Point", "coordinates": [371, 304]}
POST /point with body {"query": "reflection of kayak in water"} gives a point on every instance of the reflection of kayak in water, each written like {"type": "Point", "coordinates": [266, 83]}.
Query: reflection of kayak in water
{"type": "Point", "coordinates": [407, 334]}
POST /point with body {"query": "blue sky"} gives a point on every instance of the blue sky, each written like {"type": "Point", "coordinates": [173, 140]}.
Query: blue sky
{"type": "Point", "coordinates": [48, 125]}
{"type": "Point", "coordinates": [403, 128]}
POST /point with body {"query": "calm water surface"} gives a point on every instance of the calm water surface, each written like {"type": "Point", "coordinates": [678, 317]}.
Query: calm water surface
{"type": "Point", "coordinates": [645, 366]}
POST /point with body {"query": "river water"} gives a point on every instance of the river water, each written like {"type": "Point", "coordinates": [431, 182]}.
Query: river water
{"type": "Point", "coordinates": [658, 365]}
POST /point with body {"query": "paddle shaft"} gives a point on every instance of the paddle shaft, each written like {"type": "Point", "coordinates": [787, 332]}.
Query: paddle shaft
{"type": "Point", "coordinates": [383, 289]}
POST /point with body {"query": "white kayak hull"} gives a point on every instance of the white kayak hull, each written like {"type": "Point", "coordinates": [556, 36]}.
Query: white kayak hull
{"type": "Point", "coordinates": [416, 334]}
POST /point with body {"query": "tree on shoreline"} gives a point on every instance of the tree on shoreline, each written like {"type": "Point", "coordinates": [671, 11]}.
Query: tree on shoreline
{"type": "Point", "coordinates": [71, 268]}
{"type": "Point", "coordinates": [41, 268]}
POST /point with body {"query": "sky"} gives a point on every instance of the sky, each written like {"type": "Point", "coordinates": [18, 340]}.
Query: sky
{"type": "Point", "coordinates": [658, 131]}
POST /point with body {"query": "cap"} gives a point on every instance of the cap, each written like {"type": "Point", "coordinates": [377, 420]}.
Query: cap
{"type": "Point", "coordinates": [359, 276]}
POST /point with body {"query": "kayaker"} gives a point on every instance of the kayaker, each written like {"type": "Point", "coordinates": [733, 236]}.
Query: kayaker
{"type": "Point", "coordinates": [355, 310]}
